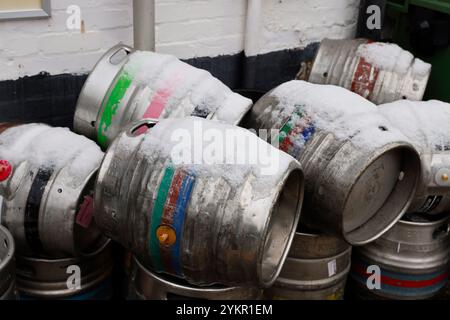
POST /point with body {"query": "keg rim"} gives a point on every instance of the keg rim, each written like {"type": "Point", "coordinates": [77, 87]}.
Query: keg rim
{"type": "Point", "coordinates": [215, 289]}
{"type": "Point", "coordinates": [411, 163]}
{"type": "Point", "coordinates": [442, 218]}
{"type": "Point", "coordinates": [48, 259]}
{"type": "Point", "coordinates": [55, 290]}
{"type": "Point", "coordinates": [90, 111]}
{"type": "Point", "coordinates": [293, 173]}
{"type": "Point", "coordinates": [307, 237]}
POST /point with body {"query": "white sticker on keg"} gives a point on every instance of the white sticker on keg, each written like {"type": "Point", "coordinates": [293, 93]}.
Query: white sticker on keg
{"type": "Point", "coordinates": [332, 268]}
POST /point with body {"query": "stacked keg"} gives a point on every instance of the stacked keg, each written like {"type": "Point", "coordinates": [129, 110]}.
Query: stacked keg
{"type": "Point", "coordinates": [243, 210]}
{"type": "Point", "coordinates": [47, 205]}
{"type": "Point", "coordinates": [165, 211]}
{"type": "Point", "coordinates": [361, 176]}
{"type": "Point", "coordinates": [379, 72]}
{"type": "Point", "coordinates": [316, 269]}
{"type": "Point", "coordinates": [128, 85]}
{"type": "Point", "coordinates": [414, 256]}
{"type": "Point", "coordinates": [200, 225]}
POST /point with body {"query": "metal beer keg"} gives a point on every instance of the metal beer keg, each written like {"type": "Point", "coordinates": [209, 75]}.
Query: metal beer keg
{"type": "Point", "coordinates": [380, 72]}
{"type": "Point", "coordinates": [413, 259]}
{"type": "Point", "coordinates": [147, 285]}
{"type": "Point", "coordinates": [47, 189]}
{"type": "Point", "coordinates": [128, 85]}
{"type": "Point", "coordinates": [315, 269]}
{"type": "Point", "coordinates": [361, 172]}
{"type": "Point", "coordinates": [56, 279]}
{"type": "Point", "coordinates": [206, 220]}
{"type": "Point", "coordinates": [427, 126]}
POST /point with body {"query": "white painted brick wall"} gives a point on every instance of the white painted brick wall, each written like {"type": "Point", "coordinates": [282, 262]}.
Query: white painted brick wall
{"type": "Point", "coordinates": [185, 28]}
{"type": "Point", "coordinates": [290, 24]}
{"type": "Point", "coordinates": [28, 47]}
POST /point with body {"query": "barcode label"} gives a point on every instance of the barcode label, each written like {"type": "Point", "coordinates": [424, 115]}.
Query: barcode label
{"type": "Point", "coordinates": [332, 268]}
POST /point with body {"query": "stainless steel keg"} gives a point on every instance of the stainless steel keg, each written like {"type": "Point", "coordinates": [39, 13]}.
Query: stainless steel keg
{"type": "Point", "coordinates": [380, 72]}
{"type": "Point", "coordinates": [427, 125]}
{"type": "Point", "coordinates": [7, 270]}
{"type": "Point", "coordinates": [413, 259]}
{"type": "Point", "coordinates": [206, 220]}
{"type": "Point", "coordinates": [361, 172]}
{"type": "Point", "coordinates": [128, 85]}
{"type": "Point", "coordinates": [147, 285]}
{"type": "Point", "coordinates": [48, 190]}
{"type": "Point", "coordinates": [86, 278]}
{"type": "Point", "coordinates": [316, 269]}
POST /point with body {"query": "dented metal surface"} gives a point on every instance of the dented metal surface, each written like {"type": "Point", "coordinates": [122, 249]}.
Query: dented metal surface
{"type": "Point", "coordinates": [146, 285]}
{"type": "Point", "coordinates": [193, 223]}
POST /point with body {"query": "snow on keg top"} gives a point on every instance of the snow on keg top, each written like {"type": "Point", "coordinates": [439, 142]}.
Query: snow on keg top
{"type": "Point", "coordinates": [218, 146]}
{"type": "Point", "coordinates": [425, 123]}
{"type": "Point", "coordinates": [332, 109]}
{"type": "Point", "coordinates": [190, 87]}
{"type": "Point", "coordinates": [46, 147]}
{"type": "Point", "coordinates": [391, 57]}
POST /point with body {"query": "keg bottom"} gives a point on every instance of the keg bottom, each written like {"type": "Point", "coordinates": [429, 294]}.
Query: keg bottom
{"type": "Point", "coordinates": [383, 191]}
{"type": "Point", "coordinates": [281, 226]}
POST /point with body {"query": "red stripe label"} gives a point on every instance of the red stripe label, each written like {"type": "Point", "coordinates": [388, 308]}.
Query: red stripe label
{"type": "Point", "coordinates": [364, 78]}
{"type": "Point", "coordinates": [402, 283]}
{"type": "Point", "coordinates": [168, 214]}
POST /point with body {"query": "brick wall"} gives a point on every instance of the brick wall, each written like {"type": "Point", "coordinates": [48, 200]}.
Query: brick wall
{"type": "Point", "coordinates": [185, 28]}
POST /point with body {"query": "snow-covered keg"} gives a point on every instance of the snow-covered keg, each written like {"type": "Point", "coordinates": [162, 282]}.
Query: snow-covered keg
{"type": "Point", "coordinates": [128, 85]}
{"type": "Point", "coordinates": [47, 189]}
{"type": "Point", "coordinates": [186, 200]}
{"type": "Point", "coordinates": [427, 126]}
{"type": "Point", "coordinates": [380, 72]}
{"type": "Point", "coordinates": [361, 172]}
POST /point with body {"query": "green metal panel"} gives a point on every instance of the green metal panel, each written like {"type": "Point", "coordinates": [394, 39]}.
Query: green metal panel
{"type": "Point", "coordinates": [437, 5]}
{"type": "Point", "coordinates": [439, 84]}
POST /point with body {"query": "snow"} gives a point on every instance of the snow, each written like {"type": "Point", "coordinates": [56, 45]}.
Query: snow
{"type": "Point", "coordinates": [193, 136]}
{"type": "Point", "coordinates": [391, 57]}
{"type": "Point", "coordinates": [332, 109]}
{"type": "Point", "coordinates": [46, 147]}
{"type": "Point", "coordinates": [425, 123]}
{"type": "Point", "coordinates": [189, 87]}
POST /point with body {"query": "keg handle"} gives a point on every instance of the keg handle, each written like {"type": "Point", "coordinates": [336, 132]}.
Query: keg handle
{"type": "Point", "coordinates": [142, 126]}
{"type": "Point", "coordinates": [441, 232]}
{"type": "Point", "coordinates": [118, 53]}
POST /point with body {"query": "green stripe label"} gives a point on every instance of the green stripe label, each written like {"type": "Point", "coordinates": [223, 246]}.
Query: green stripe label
{"type": "Point", "coordinates": [123, 82]}
{"type": "Point", "coordinates": [157, 213]}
